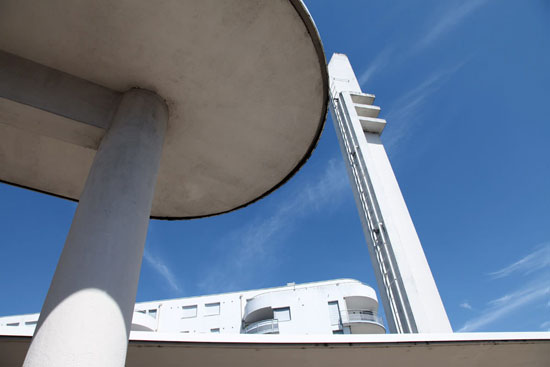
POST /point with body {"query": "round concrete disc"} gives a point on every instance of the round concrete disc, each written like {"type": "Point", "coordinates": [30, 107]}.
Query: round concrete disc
{"type": "Point", "coordinates": [245, 82]}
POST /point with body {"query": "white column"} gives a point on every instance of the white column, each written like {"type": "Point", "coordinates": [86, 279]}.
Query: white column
{"type": "Point", "coordinates": [87, 313]}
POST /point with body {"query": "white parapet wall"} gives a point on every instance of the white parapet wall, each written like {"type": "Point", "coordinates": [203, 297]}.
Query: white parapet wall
{"type": "Point", "coordinates": [391, 350]}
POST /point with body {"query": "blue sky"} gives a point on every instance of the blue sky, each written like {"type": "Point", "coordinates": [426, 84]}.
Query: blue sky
{"type": "Point", "coordinates": [464, 86]}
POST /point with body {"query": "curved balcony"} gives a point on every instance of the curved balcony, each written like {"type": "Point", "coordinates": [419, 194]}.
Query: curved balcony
{"type": "Point", "coordinates": [363, 321]}
{"type": "Point", "coordinates": [263, 327]}
{"type": "Point", "coordinates": [143, 322]}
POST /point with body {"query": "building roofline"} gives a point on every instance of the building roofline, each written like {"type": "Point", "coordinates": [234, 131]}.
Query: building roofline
{"type": "Point", "coordinates": [300, 339]}
{"type": "Point", "coordinates": [288, 285]}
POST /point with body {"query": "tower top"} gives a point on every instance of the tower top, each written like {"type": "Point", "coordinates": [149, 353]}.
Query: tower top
{"type": "Point", "coordinates": [342, 77]}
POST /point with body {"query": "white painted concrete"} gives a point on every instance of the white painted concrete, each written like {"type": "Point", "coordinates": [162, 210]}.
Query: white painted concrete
{"type": "Point", "coordinates": [409, 294]}
{"type": "Point", "coordinates": [170, 347]}
{"type": "Point", "coordinates": [307, 304]}
{"type": "Point", "coordinates": [87, 314]}
{"type": "Point", "coordinates": [234, 313]}
{"type": "Point", "coordinates": [393, 350]}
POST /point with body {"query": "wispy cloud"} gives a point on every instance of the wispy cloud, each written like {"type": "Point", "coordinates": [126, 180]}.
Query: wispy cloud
{"type": "Point", "coordinates": [313, 196]}
{"type": "Point", "coordinates": [254, 244]}
{"type": "Point", "coordinates": [406, 111]}
{"type": "Point", "coordinates": [534, 288]}
{"type": "Point", "coordinates": [440, 23]}
{"type": "Point", "coordinates": [381, 60]}
{"type": "Point", "coordinates": [465, 305]}
{"type": "Point", "coordinates": [162, 269]}
{"type": "Point", "coordinates": [447, 20]}
{"type": "Point", "coordinates": [538, 259]}
{"type": "Point", "coordinates": [545, 326]}
{"type": "Point", "coordinates": [508, 304]}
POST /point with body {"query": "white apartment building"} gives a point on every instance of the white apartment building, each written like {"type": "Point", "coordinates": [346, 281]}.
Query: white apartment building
{"type": "Point", "coordinates": [341, 306]}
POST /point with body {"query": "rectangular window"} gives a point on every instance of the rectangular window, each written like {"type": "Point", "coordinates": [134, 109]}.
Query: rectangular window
{"type": "Point", "coordinates": [334, 313]}
{"type": "Point", "coordinates": [212, 309]}
{"type": "Point", "coordinates": [337, 331]}
{"type": "Point", "coordinates": [189, 311]}
{"type": "Point", "coordinates": [215, 331]}
{"type": "Point", "coordinates": [153, 313]}
{"type": "Point", "coordinates": [13, 324]}
{"type": "Point", "coordinates": [30, 323]}
{"type": "Point", "coordinates": [281, 314]}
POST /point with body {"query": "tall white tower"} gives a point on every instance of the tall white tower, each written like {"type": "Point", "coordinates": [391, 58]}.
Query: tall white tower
{"type": "Point", "coordinates": [409, 295]}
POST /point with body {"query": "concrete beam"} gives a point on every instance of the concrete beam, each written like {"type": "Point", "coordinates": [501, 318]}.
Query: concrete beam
{"type": "Point", "coordinates": [18, 117]}
{"type": "Point", "coordinates": [51, 90]}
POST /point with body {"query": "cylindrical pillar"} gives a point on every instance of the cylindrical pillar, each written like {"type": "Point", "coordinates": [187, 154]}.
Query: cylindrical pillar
{"type": "Point", "coordinates": [87, 314]}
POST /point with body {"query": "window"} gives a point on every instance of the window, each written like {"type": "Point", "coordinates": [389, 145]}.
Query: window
{"type": "Point", "coordinates": [30, 323]}
{"type": "Point", "coordinates": [13, 324]}
{"type": "Point", "coordinates": [215, 331]}
{"type": "Point", "coordinates": [212, 309]}
{"type": "Point", "coordinates": [334, 313]}
{"type": "Point", "coordinates": [281, 314]}
{"type": "Point", "coordinates": [152, 312]}
{"type": "Point", "coordinates": [345, 330]}
{"type": "Point", "coordinates": [189, 311]}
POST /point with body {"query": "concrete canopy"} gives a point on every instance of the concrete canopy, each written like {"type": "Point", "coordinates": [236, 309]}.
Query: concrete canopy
{"type": "Point", "coordinates": [414, 350]}
{"type": "Point", "coordinates": [245, 82]}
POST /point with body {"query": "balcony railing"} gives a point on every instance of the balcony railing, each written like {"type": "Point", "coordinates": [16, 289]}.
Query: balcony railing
{"type": "Point", "coordinates": [263, 327]}
{"type": "Point", "coordinates": [351, 316]}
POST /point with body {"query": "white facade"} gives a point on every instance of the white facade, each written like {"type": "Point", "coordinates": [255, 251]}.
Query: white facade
{"type": "Point", "coordinates": [342, 306]}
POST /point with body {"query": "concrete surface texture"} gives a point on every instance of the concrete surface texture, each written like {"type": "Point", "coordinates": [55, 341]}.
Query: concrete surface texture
{"type": "Point", "coordinates": [408, 291]}
{"type": "Point", "coordinates": [87, 313]}
{"type": "Point", "coordinates": [245, 82]}
{"type": "Point", "coordinates": [174, 109]}
{"type": "Point", "coordinates": [415, 350]}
